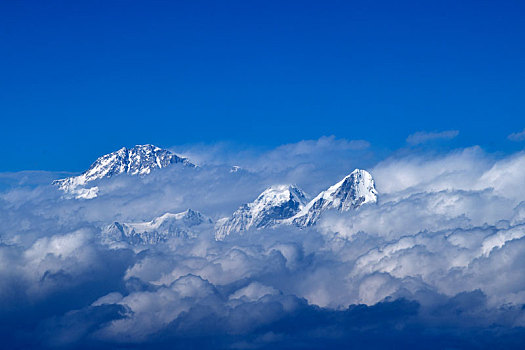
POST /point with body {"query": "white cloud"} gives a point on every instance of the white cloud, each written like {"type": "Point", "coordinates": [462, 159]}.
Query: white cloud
{"type": "Point", "coordinates": [444, 225]}
{"type": "Point", "coordinates": [254, 291]}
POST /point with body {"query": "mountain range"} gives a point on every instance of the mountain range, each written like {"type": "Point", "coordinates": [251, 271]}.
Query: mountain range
{"type": "Point", "coordinates": [181, 225]}
{"type": "Point", "coordinates": [287, 205]}
{"type": "Point", "coordinates": [275, 206]}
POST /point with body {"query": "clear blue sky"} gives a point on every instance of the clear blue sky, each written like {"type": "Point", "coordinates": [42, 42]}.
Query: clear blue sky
{"type": "Point", "coordinates": [82, 78]}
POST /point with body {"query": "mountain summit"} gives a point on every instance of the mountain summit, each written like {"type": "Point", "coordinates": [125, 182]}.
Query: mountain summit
{"type": "Point", "coordinates": [139, 160]}
{"type": "Point", "coordinates": [271, 207]}
{"type": "Point", "coordinates": [351, 192]}
{"type": "Point", "coordinates": [286, 205]}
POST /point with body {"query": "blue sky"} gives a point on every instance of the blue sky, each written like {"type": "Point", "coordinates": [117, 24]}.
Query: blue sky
{"type": "Point", "coordinates": [80, 79]}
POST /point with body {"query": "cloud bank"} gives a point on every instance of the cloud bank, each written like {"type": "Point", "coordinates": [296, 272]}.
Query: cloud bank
{"type": "Point", "coordinates": [436, 263]}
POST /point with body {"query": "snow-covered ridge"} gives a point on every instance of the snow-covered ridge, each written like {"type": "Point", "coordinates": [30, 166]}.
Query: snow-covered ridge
{"type": "Point", "coordinates": [275, 204]}
{"type": "Point", "coordinates": [160, 229]}
{"type": "Point", "coordinates": [287, 205]}
{"type": "Point", "coordinates": [139, 160]}
{"type": "Point", "coordinates": [351, 192]}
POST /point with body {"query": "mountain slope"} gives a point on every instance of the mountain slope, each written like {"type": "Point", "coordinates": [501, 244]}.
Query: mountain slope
{"type": "Point", "coordinates": [139, 160]}
{"type": "Point", "coordinates": [351, 192]}
{"type": "Point", "coordinates": [269, 208]}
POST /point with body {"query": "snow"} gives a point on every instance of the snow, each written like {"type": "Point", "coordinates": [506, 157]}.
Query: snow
{"type": "Point", "coordinates": [277, 205]}
{"type": "Point", "coordinates": [286, 205]}
{"type": "Point", "coordinates": [139, 160]}
{"type": "Point", "coordinates": [273, 205]}
{"type": "Point", "coordinates": [351, 192]}
{"type": "Point", "coordinates": [185, 224]}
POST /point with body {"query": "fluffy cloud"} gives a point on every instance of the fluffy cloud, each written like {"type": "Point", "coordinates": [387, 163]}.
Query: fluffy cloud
{"type": "Point", "coordinates": [437, 261]}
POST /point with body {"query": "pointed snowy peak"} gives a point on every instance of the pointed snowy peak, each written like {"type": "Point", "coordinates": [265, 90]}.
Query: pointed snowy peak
{"type": "Point", "coordinates": [139, 160]}
{"type": "Point", "coordinates": [351, 192]}
{"type": "Point", "coordinates": [271, 207]}
{"type": "Point", "coordinates": [186, 225]}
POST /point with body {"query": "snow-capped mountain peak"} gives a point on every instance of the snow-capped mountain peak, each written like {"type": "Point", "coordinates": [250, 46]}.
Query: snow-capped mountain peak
{"type": "Point", "coordinates": [162, 228]}
{"type": "Point", "coordinates": [139, 160]}
{"type": "Point", "coordinates": [351, 192]}
{"type": "Point", "coordinates": [273, 205]}
{"type": "Point", "coordinates": [286, 204]}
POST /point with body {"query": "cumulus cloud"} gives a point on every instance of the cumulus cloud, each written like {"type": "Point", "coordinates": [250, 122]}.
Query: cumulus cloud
{"type": "Point", "coordinates": [424, 136]}
{"type": "Point", "coordinates": [437, 261]}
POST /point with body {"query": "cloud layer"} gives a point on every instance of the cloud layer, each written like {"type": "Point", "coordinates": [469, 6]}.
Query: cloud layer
{"type": "Point", "coordinates": [437, 261]}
